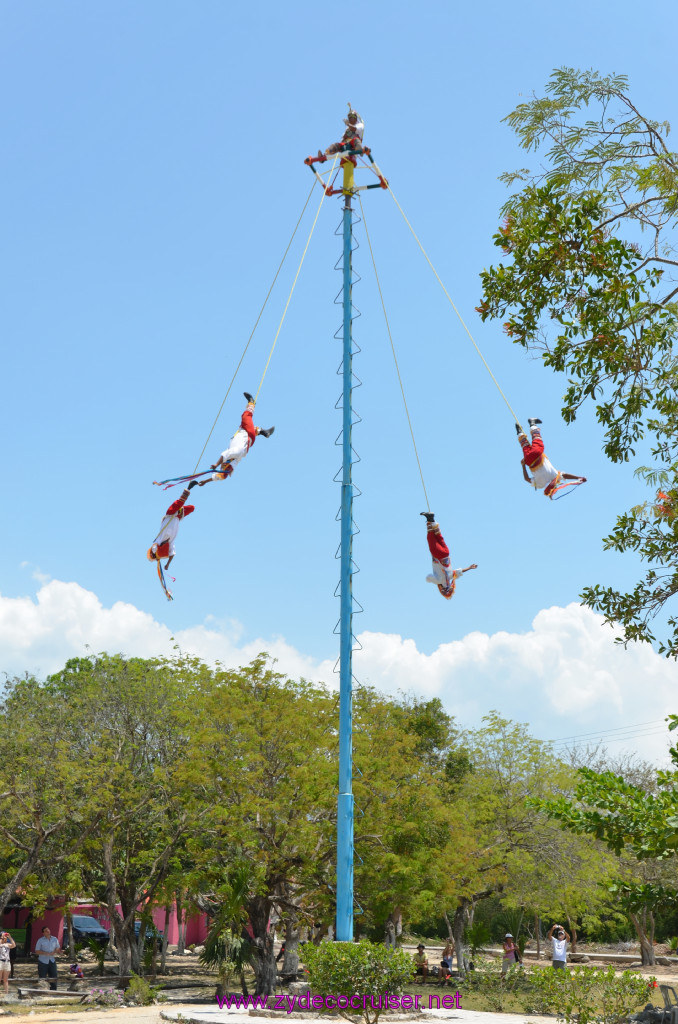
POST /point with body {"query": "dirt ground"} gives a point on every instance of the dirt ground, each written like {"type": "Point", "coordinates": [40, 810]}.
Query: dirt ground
{"type": "Point", "coordinates": [138, 1014]}
{"type": "Point", "coordinates": [187, 970]}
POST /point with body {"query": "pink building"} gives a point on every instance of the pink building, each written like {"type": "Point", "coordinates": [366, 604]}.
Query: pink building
{"type": "Point", "coordinates": [18, 916]}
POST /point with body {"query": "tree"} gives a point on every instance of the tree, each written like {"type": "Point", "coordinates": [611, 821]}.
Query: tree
{"type": "Point", "coordinates": [504, 844]}
{"type": "Point", "coordinates": [590, 283]}
{"type": "Point", "coordinates": [630, 820]}
{"type": "Point", "coordinates": [269, 774]}
{"type": "Point", "coordinates": [132, 723]}
{"type": "Point", "coordinates": [50, 806]}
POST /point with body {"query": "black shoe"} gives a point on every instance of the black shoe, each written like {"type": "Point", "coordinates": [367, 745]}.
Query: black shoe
{"type": "Point", "coordinates": [519, 429]}
{"type": "Point", "coordinates": [428, 516]}
{"type": "Point", "coordinates": [267, 432]}
{"type": "Point", "coordinates": [193, 483]}
{"type": "Point", "coordinates": [248, 396]}
{"type": "Point", "coordinates": [533, 421]}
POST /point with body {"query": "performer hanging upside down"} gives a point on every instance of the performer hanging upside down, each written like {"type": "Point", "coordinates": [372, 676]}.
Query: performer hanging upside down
{"type": "Point", "coordinates": [241, 442]}
{"type": "Point", "coordinates": [443, 576]}
{"type": "Point", "coordinates": [544, 476]}
{"type": "Point", "coordinates": [352, 137]}
{"type": "Point", "coordinates": [163, 545]}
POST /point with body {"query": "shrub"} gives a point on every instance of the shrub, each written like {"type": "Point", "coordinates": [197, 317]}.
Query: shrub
{"type": "Point", "coordinates": [495, 988]}
{"type": "Point", "coordinates": [363, 969]}
{"type": "Point", "coordinates": [140, 993]}
{"type": "Point", "coordinates": [591, 995]}
{"type": "Point", "coordinates": [104, 997]}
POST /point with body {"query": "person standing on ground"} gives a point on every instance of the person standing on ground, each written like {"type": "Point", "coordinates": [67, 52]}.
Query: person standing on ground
{"type": "Point", "coordinates": [6, 944]}
{"type": "Point", "coordinates": [46, 947]}
{"type": "Point", "coordinates": [510, 953]}
{"type": "Point", "coordinates": [559, 940]}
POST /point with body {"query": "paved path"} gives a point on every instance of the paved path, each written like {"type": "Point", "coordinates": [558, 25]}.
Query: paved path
{"type": "Point", "coordinates": [207, 1015]}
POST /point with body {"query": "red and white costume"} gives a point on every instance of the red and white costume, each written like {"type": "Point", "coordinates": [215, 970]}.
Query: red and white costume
{"type": "Point", "coordinates": [353, 134]}
{"type": "Point", "coordinates": [163, 545]}
{"type": "Point", "coordinates": [544, 476]}
{"type": "Point", "coordinates": [443, 576]}
{"type": "Point", "coordinates": [241, 442]}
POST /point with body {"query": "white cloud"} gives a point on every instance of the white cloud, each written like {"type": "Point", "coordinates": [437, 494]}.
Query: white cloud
{"type": "Point", "coordinates": [565, 676]}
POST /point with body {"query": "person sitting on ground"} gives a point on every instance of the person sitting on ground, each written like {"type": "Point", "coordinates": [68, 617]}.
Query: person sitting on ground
{"type": "Point", "coordinates": [241, 442]}
{"type": "Point", "coordinates": [511, 953]}
{"type": "Point", "coordinates": [559, 940]}
{"type": "Point", "coordinates": [421, 962]}
{"type": "Point", "coordinates": [544, 476]}
{"type": "Point", "coordinates": [446, 964]}
{"type": "Point", "coordinates": [443, 575]}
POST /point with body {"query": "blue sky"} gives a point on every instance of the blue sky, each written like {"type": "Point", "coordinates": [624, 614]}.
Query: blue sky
{"type": "Point", "coordinates": [153, 172]}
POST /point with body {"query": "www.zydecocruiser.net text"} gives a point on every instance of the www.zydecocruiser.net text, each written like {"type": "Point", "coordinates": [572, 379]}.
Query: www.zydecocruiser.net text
{"type": "Point", "coordinates": [387, 1001]}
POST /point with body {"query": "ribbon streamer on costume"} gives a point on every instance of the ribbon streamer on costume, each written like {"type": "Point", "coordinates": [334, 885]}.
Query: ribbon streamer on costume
{"type": "Point", "coordinates": [567, 487]}
{"type": "Point", "coordinates": [161, 577]}
{"type": "Point", "coordinates": [172, 481]}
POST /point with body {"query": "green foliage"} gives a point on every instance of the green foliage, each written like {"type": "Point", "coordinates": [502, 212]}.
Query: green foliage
{"type": "Point", "coordinates": [140, 993]}
{"type": "Point", "coordinates": [496, 990]}
{"type": "Point", "coordinates": [359, 968]}
{"type": "Point", "coordinates": [587, 244]}
{"type": "Point", "coordinates": [591, 995]}
{"type": "Point", "coordinates": [478, 935]}
{"type": "Point", "coordinates": [98, 951]}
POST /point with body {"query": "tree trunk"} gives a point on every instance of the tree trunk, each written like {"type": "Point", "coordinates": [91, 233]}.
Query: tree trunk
{"type": "Point", "coordinates": [458, 925]}
{"type": "Point", "coordinates": [263, 960]}
{"type": "Point", "coordinates": [537, 934]}
{"type": "Point", "coordinates": [450, 933]}
{"type": "Point", "coordinates": [181, 937]}
{"type": "Point", "coordinates": [290, 964]}
{"type": "Point", "coordinates": [69, 933]}
{"type": "Point", "coordinates": [573, 934]}
{"type": "Point", "coordinates": [639, 922]}
{"type": "Point", "coordinates": [390, 935]}
{"type": "Point", "coordinates": [165, 933]}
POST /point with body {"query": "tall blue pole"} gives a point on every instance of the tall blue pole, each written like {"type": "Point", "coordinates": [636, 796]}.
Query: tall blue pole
{"type": "Point", "coordinates": [344, 928]}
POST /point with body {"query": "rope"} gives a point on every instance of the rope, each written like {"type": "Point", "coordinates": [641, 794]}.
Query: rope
{"type": "Point", "coordinates": [395, 358]}
{"type": "Point", "coordinates": [449, 299]}
{"type": "Point", "coordinates": [294, 284]}
{"type": "Point", "coordinates": [256, 324]}
{"type": "Point", "coordinates": [247, 345]}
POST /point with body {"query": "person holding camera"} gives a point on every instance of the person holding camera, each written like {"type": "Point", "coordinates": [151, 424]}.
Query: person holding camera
{"type": "Point", "coordinates": [559, 939]}
{"type": "Point", "coordinates": [7, 943]}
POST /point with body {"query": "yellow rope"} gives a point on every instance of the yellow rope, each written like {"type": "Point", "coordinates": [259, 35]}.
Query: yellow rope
{"type": "Point", "coordinates": [395, 358]}
{"type": "Point", "coordinates": [256, 324]}
{"type": "Point", "coordinates": [449, 299]}
{"type": "Point", "coordinates": [294, 283]}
